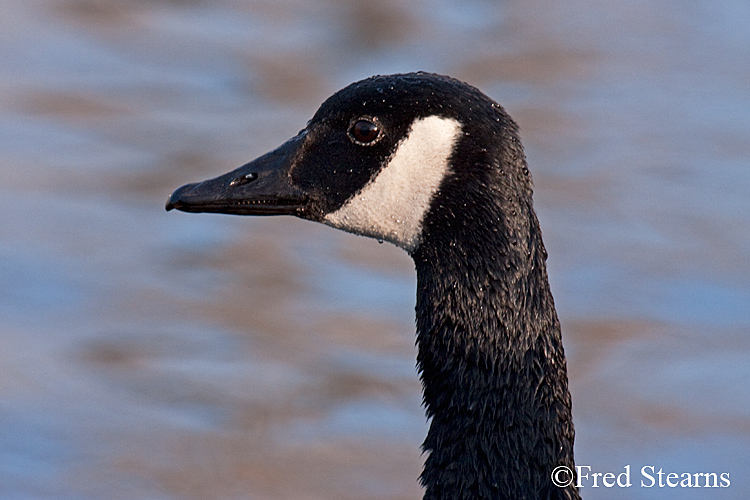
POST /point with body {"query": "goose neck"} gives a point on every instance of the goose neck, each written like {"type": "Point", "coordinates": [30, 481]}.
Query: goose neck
{"type": "Point", "coordinates": [493, 371]}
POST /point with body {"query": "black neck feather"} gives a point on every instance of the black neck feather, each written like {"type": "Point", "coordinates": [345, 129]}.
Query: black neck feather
{"type": "Point", "coordinates": [490, 351]}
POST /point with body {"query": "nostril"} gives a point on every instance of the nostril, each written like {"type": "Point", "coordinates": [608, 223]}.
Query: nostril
{"type": "Point", "coordinates": [243, 179]}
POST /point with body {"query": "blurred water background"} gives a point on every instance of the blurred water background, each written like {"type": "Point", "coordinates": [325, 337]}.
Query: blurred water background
{"type": "Point", "coordinates": [146, 355]}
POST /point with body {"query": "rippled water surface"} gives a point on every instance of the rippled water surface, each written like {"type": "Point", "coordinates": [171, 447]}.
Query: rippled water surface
{"type": "Point", "coordinates": [175, 356]}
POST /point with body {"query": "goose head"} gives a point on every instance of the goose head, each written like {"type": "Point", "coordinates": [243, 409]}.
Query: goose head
{"type": "Point", "coordinates": [379, 158]}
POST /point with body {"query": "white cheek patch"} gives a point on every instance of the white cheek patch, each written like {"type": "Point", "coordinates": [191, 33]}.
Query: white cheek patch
{"type": "Point", "coordinates": [393, 205]}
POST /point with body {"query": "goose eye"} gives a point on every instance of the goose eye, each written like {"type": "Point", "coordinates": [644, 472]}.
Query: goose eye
{"type": "Point", "coordinates": [364, 132]}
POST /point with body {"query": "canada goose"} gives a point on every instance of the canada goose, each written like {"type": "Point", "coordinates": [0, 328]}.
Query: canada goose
{"type": "Point", "coordinates": [435, 167]}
